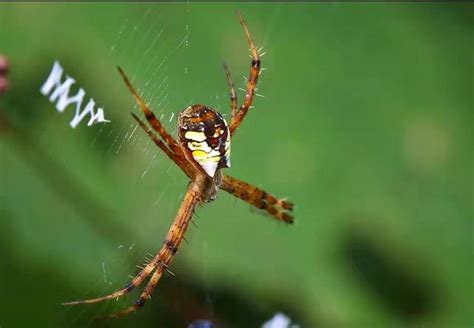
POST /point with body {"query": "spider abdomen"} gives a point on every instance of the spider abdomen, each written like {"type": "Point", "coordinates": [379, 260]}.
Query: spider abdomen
{"type": "Point", "coordinates": [204, 133]}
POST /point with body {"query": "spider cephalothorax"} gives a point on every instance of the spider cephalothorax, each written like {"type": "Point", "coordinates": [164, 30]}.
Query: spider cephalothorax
{"type": "Point", "coordinates": [205, 135]}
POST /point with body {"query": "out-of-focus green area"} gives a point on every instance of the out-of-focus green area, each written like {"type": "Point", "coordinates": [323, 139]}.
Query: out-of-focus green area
{"type": "Point", "coordinates": [366, 125]}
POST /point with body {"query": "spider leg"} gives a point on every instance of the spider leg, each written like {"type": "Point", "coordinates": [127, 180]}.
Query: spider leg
{"type": "Point", "coordinates": [144, 296]}
{"type": "Point", "coordinates": [165, 255]}
{"type": "Point", "coordinates": [233, 95]}
{"type": "Point", "coordinates": [251, 81]}
{"type": "Point", "coordinates": [259, 198]}
{"type": "Point", "coordinates": [173, 241]}
{"type": "Point", "coordinates": [183, 164]}
{"type": "Point", "coordinates": [145, 272]}
{"type": "Point", "coordinates": [151, 118]}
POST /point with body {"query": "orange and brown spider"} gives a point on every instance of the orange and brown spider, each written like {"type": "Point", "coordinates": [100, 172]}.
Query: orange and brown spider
{"type": "Point", "coordinates": [202, 151]}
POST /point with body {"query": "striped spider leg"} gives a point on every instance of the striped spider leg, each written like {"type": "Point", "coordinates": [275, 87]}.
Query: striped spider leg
{"type": "Point", "coordinates": [202, 151]}
{"type": "Point", "coordinates": [278, 208]}
{"type": "Point", "coordinates": [171, 148]}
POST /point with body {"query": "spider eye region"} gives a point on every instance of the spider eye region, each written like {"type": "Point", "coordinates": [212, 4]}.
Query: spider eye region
{"type": "Point", "coordinates": [205, 134]}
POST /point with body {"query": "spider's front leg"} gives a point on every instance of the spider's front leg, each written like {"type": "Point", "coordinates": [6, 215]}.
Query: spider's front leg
{"type": "Point", "coordinates": [278, 208]}
{"type": "Point", "coordinates": [185, 166]}
{"type": "Point", "coordinates": [255, 70]}
{"type": "Point", "coordinates": [169, 146]}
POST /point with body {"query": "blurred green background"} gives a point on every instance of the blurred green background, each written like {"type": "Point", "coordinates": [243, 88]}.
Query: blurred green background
{"type": "Point", "coordinates": [366, 126]}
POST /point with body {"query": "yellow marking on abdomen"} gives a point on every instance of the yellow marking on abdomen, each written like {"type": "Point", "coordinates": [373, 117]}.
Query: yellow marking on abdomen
{"type": "Point", "coordinates": [198, 136]}
{"type": "Point", "coordinates": [200, 154]}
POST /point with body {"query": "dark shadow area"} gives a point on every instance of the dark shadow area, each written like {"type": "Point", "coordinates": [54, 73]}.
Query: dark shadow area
{"type": "Point", "coordinates": [187, 301]}
{"type": "Point", "coordinates": [407, 294]}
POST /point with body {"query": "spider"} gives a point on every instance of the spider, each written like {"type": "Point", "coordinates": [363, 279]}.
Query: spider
{"type": "Point", "coordinates": [202, 151]}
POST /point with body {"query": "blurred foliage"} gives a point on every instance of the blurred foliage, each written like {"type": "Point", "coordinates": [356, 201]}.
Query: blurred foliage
{"type": "Point", "coordinates": [366, 125]}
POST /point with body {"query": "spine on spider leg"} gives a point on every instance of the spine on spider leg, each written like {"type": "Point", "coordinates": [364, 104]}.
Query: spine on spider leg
{"type": "Point", "coordinates": [259, 198]}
